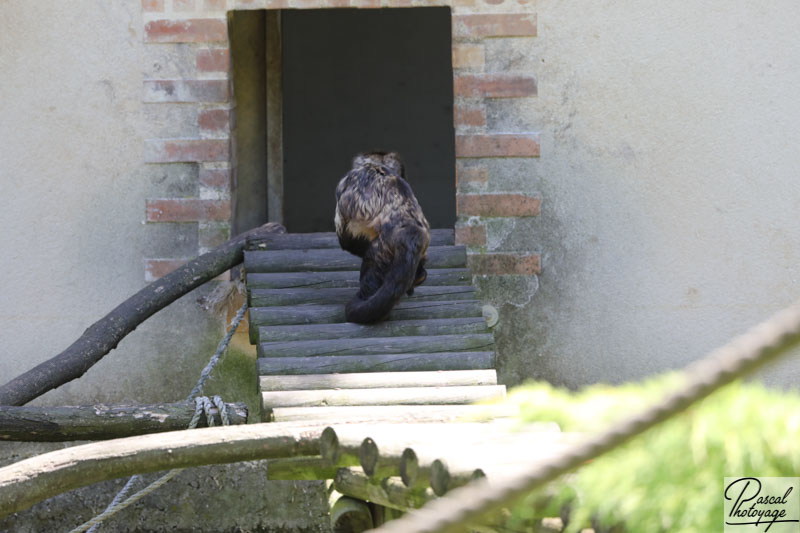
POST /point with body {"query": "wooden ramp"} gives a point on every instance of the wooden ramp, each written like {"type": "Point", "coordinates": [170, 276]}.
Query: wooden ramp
{"type": "Point", "coordinates": [430, 359]}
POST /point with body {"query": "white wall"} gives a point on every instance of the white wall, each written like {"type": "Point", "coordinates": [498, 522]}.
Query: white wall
{"type": "Point", "coordinates": [669, 173]}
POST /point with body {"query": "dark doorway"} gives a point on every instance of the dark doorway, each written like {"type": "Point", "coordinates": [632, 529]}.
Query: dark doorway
{"type": "Point", "coordinates": [361, 79]}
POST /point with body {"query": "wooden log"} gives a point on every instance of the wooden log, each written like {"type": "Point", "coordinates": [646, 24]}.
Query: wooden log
{"type": "Point", "coordinates": [27, 482]}
{"type": "Point", "coordinates": [100, 422]}
{"type": "Point", "coordinates": [303, 468]}
{"type": "Point", "coordinates": [304, 241]}
{"type": "Point", "coordinates": [375, 380]}
{"type": "Point", "coordinates": [328, 314]}
{"type": "Point", "coordinates": [403, 362]}
{"type": "Point", "coordinates": [389, 492]}
{"type": "Point", "coordinates": [395, 413]}
{"type": "Point", "coordinates": [340, 451]}
{"type": "Point", "coordinates": [397, 396]}
{"type": "Point", "coordinates": [345, 278]}
{"type": "Point", "coordinates": [392, 328]}
{"type": "Point", "coordinates": [104, 335]}
{"type": "Point", "coordinates": [350, 515]}
{"type": "Point", "coordinates": [378, 345]}
{"type": "Point", "coordinates": [443, 480]}
{"type": "Point", "coordinates": [376, 464]}
{"type": "Point", "coordinates": [329, 259]}
{"type": "Point", "coordinates": [311, 296]}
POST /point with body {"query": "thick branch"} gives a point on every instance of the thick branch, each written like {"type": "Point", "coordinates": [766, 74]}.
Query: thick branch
{"type": "Point", "coordinates": [104, 335]}
{"type": "Point", "coordinates": [101, 422]}
{"type": "Point", "coordinates": [27, 482]}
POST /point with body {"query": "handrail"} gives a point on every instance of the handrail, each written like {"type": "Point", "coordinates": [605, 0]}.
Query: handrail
{"type": "Point", "coordinates": [104, 335]}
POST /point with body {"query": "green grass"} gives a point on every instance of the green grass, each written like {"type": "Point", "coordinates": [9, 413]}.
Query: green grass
{"type": "Point", "coordinates": [671, 477]}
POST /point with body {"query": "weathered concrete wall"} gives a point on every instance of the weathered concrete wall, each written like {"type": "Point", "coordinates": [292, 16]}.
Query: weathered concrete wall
{"type": "Point", "coordinates": [669, 182]}
{"type": "Point", "coordinates": [73, 187]}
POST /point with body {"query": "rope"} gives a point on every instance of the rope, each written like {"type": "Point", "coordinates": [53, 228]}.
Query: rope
{"type": "Point", "coordinates": [203, 406]}
{"type": "Point", "coordinates": [741, 356]}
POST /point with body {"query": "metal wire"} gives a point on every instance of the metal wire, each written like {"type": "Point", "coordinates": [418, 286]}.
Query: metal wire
{"type": "Point", "coordinates": [742, 355]}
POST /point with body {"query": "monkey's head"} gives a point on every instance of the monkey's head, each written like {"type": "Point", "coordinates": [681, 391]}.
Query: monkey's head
{"type": "Point", "coordinates": [390, 160]}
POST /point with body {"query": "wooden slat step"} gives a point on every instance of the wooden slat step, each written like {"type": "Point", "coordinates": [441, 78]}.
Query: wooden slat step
{"type": "Point", "coordinates": [328, 259]}
{"type": "Point", "coordinates": [393, 396]}
{"type": "Point", "coordinates": [378, 345]}
{"type": "Point", "coordinates": [379, 380]}
{"type": "Point", "coordinates": [273, 297]}
{"type": "Point", "coordinates": [304, 241]}
{"type": "Point", "coordinates": [404, 362]}
{"type": "Point", "coordinates": [392, 328]}
{"type": "Point", "coordinates": [344, 278]}
{"type": "Point", "coordinates": [393, 413]}
{"type": "Point", "coordinates": [328, 314]}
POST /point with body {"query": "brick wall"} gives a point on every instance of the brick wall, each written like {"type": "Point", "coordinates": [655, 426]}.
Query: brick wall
{"type": "Point", "coordinates": [189, 38]}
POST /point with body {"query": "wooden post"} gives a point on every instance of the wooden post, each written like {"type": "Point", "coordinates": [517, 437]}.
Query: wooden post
{"type": "Point", "coordinates": [274, 117]}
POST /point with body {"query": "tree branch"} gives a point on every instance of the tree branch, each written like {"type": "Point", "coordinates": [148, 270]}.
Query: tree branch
{"type": "Point", "coordinates": [104, 335]}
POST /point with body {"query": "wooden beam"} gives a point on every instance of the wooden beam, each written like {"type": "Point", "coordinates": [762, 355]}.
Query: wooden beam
{"type": "Point", "coordinates": [404, 414]}
{"type": "Point", "coordinates": [344, 278]}
{"type": "Point", "coordinates": [376, 363]}
{"type": "Point", "coordinates": [27, 482]}
{"type": "Point", "coordinates": [331, 259]}
{"type": "Point", "coordinates": [389, 492]}
{"type": "Point", "coordinates": [379, 380]}
{"type": "Point", "coordinates": [308, 296]}
{"type": "Point", "coordinates": [394, 396]}
{"type": "Point", "coordinates": [307, 241]}
{"type": "Point", "coordinates": [101, 422]}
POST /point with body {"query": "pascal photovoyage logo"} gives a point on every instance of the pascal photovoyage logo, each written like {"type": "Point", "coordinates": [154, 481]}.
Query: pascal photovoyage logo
{"type": "Point", "coordinates": [762, 504]}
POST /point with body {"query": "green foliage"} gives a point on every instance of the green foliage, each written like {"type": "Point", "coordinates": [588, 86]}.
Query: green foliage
{"type": "Point", "coordinates": [671, 477]}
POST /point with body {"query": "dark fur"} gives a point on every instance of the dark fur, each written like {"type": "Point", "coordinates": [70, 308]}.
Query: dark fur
{"type": "Point", "coordinates": [379, 219]}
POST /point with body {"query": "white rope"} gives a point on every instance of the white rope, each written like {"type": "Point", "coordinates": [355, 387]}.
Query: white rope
{"type": "Point", "coordinates": [203, 405]}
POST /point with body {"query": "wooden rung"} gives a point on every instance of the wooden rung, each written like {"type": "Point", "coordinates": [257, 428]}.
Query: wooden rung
{"type": "Point", "coordinates": [344, 278]}
{"type": "Point", "coordinates": [376, 363]}
{"type": "Point", "coordinates": [373, 380]}
{"type": "Point", "coordinates": [394, 413]}
{"type": "Point", "coordinates": [304, 241]}
{"type": "Point", "coordinates": [392, 328]}
{"type": "Point", "coordinates": [378, 345]}
{"type": "Point", "coordinates": [314, 296]}
{"type": "Point", "coordinates": [394, 396]}
{"type": "Point", "coordinates": [327, 259]}
{"type": "Point", "coordinates": [328, 314]}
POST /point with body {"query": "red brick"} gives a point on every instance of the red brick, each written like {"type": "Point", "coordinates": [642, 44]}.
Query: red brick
{"type": "Point", "coordinates": [215, 178]}
{"type": "Point", "coordinates": [471, 235]}
{"type": "Point", "coordinates": [213, 60]}
{"type": "Point", "coordinates": [214, 5]}
{"type": "Point", "coordinates": [152, 5]}
{"type": "Point", "coordinates": [471, 173]}
{"type": "Point", "coordinates": [186, 31]}
{"type": "Point", "coordinates": [160, 91]}
{"type": "Point", "coordinates": [469, 116]}
{"type": "Point", "coordinates": [505, 263]}
{"type": "Point", "coordinates": [186, 150]}
{"type": "Point", "coordinates": [158, 268]}
{"type": "Point", "coordinates": [498, 145]}
{"type": "Point", "coordinates": [468, 55]}
{"type": "Point", "coordinates": [496, 25]}
{"type": "Point", "coordinates": [214, 120]}
{"type": "Point", "coordinates": [187, 210]}
{"type": "Point", "coordinates": [498, 205]}
{"type": "Point", "coordinates": [183, 5]}
{"type": "Point", "coordinates": [494, 85]}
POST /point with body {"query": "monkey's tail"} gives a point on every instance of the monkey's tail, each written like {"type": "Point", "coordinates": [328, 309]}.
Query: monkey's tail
{"type": "Point", "coordinates": [398, 280]}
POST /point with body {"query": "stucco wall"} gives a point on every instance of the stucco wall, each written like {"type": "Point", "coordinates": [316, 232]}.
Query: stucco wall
{"type": "Point", "coordinates": [669, 177]}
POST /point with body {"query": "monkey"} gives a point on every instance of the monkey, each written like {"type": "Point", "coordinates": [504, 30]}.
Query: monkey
{"type": "Point", "coordinates": [379, 219]}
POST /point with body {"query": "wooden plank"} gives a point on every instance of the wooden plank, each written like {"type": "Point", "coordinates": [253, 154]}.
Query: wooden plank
{"type": "Point", "coordinates": [376, 363]}
{"type": "Point", "coordinates": [305, 241]}
{"type": "Point", "coordinates": [373, 380]}
{"type": "Point", "coordinates": [396, 396]}
{"type": "Point", "coordinates": [331, 259]}
{"type": "Point", "coordinates": [394, 413]}
{"type": "Point", "coordinates": [378, 345]}
{"type": "Point", "coordinates": [329, 314]}
{"type": "Point", "coordinates": [344, 278]}
{"type": "Point", "coordinates": [390, 492]}
{"type": "Point", "coordinates": [315, 296]}
{"type": "Point", "coordinates": [392, 328]}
